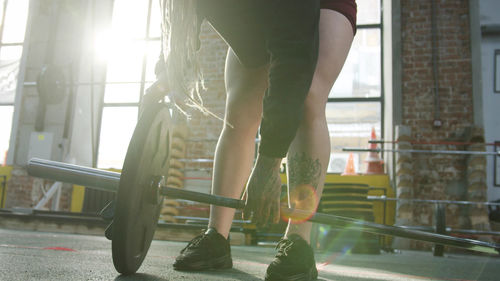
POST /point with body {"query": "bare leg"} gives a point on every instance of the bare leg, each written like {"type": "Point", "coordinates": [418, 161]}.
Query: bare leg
{"type": "Point", "coordinates": [235, 150]}
{"type": "Point", "coordinates": [309, 154]}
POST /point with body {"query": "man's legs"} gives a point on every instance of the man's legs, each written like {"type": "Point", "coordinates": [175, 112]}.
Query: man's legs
{"type": "Point", "coordinates": [309, 154]}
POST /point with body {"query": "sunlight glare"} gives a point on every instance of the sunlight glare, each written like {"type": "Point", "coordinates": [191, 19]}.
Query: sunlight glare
{"type": "Point", "coordinates": [15, 21]}
{"type": "Point", "coordinates": [104, 44]}
{"type": "Point", "coordinates": [304, 200]}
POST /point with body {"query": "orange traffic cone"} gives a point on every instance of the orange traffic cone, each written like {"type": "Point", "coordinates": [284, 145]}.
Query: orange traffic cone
{"type": "Point", "coordinates": [375, 165]}
{"type": "Point", "coordinates": [349, 167]}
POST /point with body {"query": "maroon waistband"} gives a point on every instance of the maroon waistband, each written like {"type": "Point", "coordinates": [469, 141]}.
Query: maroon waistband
{"type": "Point", "coordinates": [346, 7]}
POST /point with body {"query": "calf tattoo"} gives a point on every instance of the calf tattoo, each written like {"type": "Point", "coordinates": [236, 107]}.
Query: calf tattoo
{"type": "Point", "coordinates": [303, 169]}
{"type": "Point", "coordinates": [304, 174]}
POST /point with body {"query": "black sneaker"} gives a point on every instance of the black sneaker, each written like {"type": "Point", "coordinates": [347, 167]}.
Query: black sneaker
{"type": "Point", "coordinates": [209, 250]}
{"type": "Point", "coordinates": [293, 262]}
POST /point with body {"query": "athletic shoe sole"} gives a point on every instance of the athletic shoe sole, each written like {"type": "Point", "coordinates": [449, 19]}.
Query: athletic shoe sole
{"type": "Point", "coordinates": [308, 276]}
{"type": "Point", "coordinates": [223, 262]}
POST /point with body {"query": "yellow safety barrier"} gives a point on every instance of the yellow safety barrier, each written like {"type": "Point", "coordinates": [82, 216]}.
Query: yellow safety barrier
{"type": "Point", "coordinates": [383, 212]}
{"type": "Point", "coordinates": [5, 172]}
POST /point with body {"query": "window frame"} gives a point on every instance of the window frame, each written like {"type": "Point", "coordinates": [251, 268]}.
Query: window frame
{"type": "Point", "coordinates": [380, 99]}
{"type": "Point", "coordinates": [17, 44]}
{"type": "Point", "coordinates": [142, 84]}
{"type": "Point", "coordinates": [496, 164]}
{"type": "Point", "coordinates": [496, 71]}
{"type": "Point", "coordinates": [15, 104]}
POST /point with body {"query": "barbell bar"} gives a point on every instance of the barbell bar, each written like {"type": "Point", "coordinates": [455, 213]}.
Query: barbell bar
{"type": "Point", "coordinates": [79, 175]}
{"type": "Point", "coordinates": [430, 201]}
{"type": "Point", "coordinates": [68, 84]}
{"type": "Point", "coordinates": [455, 152]}
{"type": "Point", "coordinates": [85, 176]}
{"type": "Point", "coordinates": [437, 142]}
{"type": "Point", "coordinates": [196, 160]}
{"type": "Point", "coordinates": [91, 177]}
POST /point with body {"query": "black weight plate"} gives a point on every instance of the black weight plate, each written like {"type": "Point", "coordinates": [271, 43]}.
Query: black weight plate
{"type": "Point", "coordinates": [137, 211]}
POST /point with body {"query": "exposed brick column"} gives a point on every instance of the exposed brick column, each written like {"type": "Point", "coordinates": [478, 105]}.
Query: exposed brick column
{"type": "Point", "coordinates": [404, 183]}
{"type": "Point", "coordinates": [437, 176]}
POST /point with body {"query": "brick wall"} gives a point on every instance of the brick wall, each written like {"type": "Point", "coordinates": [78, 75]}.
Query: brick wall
{"type": "Point", "coordinates": [24, 191]}
{"type": "Point", "coordinates": [454, 67]}
{"type": "Point", "coordinates": [19, 189]}
{"type": "Point", "coordinates": [437, 176]}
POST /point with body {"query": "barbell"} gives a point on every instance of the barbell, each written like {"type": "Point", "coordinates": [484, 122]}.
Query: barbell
{"type": "Point", "coordinates": [141, 189]}
{"type": "Point", "coordinates": [423, 142]}
{"type": "Point", "coordinates": [424, 151]}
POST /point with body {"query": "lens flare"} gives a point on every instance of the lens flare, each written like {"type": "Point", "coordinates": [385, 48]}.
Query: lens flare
{"type": "Point", "coordinates": [304, 200]}
{"type": "Point", "coordinates": [339, 242]}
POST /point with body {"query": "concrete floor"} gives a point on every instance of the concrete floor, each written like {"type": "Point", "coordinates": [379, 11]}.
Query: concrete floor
{"type": "Point", "coordinates": [29, 255]}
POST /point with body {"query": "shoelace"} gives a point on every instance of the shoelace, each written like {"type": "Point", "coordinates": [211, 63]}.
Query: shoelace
{"type": "Point", "coordinates": [195, 242]}
{"type": "Point", "coordinates": [284, 247]}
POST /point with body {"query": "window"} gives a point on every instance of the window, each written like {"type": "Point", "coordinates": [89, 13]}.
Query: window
{"type": "Point", "coordinates": [130, 48]}
{"type": "Point", "coordinates": [355, 102]}
{"type": "Point", "coordinates": [13, 18]}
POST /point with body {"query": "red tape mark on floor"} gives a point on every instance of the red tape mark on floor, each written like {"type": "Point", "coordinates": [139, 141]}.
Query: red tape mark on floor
{"type": "Point", "coordinates": [38, 248]}
{"type": "Point", "coordinates": [59, 249]}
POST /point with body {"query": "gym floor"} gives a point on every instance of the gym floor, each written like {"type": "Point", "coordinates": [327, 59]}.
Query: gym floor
{"type": "Point", "coordinates": [30, 255]}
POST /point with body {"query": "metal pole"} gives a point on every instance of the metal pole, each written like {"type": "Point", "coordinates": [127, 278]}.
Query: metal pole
{"type": "Point", "coordinates": [109, 181]}
{"type": "Point", "coordinates": [344, 222]}
{"type": "Point", "coordinates": [438, 142]}
{"type": "Point", "coordinates": [456, 152]}
{"type": "Point", "coordinates": [89, 177]}
{"type": "Point", "coordinates": [202, 197]}
{"type": "Point", "coordinates": [384, 198]}
{"type": "Point", "coordinates": [91, 83]}
{"type": "Point", "coordinates": [196, 160]}
{"type": "Point", "coordinates": [57, 198]}
{"type": "Point", "coordinates": [56, 187]}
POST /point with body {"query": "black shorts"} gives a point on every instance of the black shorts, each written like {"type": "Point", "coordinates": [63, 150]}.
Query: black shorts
{"type": "Point", "coordinates": [283, 34]}
{"type": "Point", "coordinates": [245, 26]}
